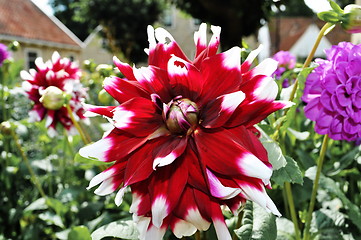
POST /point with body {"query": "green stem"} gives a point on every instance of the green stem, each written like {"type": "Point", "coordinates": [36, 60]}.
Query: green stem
{"type": "Point", "coordinates": [198, 235]}
{"type": "Point", "coordinates": [292, 209]}
{"type": "Point", "coordinates": [34, 179]}
{"type": "Point", "coordinates": [315, 187]}
{"type": "Point", "coordinates": [76, 124]}
{"type": "Point", "coordinates": [306, 64]}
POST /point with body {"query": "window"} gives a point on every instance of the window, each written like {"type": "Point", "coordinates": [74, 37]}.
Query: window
{"type": "Point", "coordinates": [167, 18]}
{"type": "Point", "coordinates": [30, 56]}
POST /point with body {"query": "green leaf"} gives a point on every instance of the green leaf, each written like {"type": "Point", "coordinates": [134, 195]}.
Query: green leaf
{"type": "Point", "coordinates": [38, 204]}
{"type": "Point", "coordinates": [329, 16]}
{"type": "Point", "coordinates": [51, 219]}
{"type": "Point", "coordinates": [353, 211]}
{"type": "Point", "coordinates": [325, 224]}
{"type": "Point", "coordinates": [274, 151]}
{"type": "Point", "coordinates": [285, 229]}
{"type": "Point", "coordinates": [79, 233]}
{"type": "Point", "coordinates": [257, 223]}
{"type": "Point", "coordinates": [125, 229]}
{"type": "Point", "coordinates": [57, 206]}
{"type": "Point", "coordinates": [88, 161]}
{"type": "Point", "coordinates": [335, 7]}
{"type": "Point", "coordinates": [290, 173]}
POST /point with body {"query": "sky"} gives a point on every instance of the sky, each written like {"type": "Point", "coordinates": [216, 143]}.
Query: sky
{"type": "Point", "coordinates": [44, 5]}
{"type": "Point", "coordinates": [316, 5]}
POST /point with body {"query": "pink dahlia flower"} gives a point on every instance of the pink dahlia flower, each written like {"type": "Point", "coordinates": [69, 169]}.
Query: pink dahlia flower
{"type": "Point", "coordinates": [4, 53]}
{"type": "Point", "coordinates": [286, 61]}
{"type": "Point", "coordinates": [183, 137]}
{"type": "Point", "coordinates": [333, 93]}
{"type": "Point", "coordinates": [47, 83]}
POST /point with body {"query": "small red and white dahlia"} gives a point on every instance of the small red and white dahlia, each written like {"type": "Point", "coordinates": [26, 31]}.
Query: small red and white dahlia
{"type": "Point", "coordinates": [48, 86]}
{"type": "Point", "coordinates": [183, 137]}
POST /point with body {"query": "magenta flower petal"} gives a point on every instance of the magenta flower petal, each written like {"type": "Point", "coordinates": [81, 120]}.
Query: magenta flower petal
{"type": "Point", "coordinates": [183, 138]}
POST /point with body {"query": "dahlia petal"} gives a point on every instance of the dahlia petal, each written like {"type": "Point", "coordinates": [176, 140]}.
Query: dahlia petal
{"type": "Point", "coordinates": [200, 39]}
{"type": "Point", "coordinates": [123, 90]}
{"type": "Point", "coordinates": [155, 233]}
{"type": "Point", "coordinates": [221, 229]}
{"type": "Point", "coordinates": [214, 42]}
{"type": "Point", "coordinates": [142, 225]}
{"type": "Point", "coordinates": [182, 228]}
{"type": "Point", "coordinates": [92, 110]}
{"type": "Point", "coordinates": [108, 186]}
{"type": "Point", "coordinates": [154, 80]}
{"type": "Point", "coordinates": [159, 210]}
{"type": "Point", "coordinates": [113, 147]}
{"type": "Point", "coordinates": [151, 37]}
{"type": "Point", "coordinates": [260, 197]}
{"type": "Point", "coordinates": [251, 113]}
{"type": "Point", "coordinates": [193, 216]}
{"type": "Point", "coordinates": [220, 110]}
{"type": "Point", "coordinates": [312, 109]}
{"type": "Point", "coordinates": [137, 116]}
{"type": "Point", "coordinates": [97, 179]}
{"type": "Point", "coordinates": [170, 151]}
{"type": "Point", "coordinates": [124, 68]}
{"type": "Point", "coordinates": [266, 67]}
{"type": "Point", "coordinates": [184, 78]}
{"type": "Point", "coordinates": [235, 158]}
{"type": "Point", "coordinates": [26, 76]}
{"type": "Point", "coordinates": [218, 189]}
{"type": "Point", "coordinates": [260, 87]}
{"type": "Point", "coordinates": [223, 66]}
{"type": "Point", "coordinates": [160, 53]}
{"type": "Point", "coordinates": [39, 62]}
{"type": "Point", "coordinates": [246, 65]}
{"type": "Point", "coordinates": [49, 118]}
{"type": "Point", "coordinates": [119, 196]}
{"type": "Point", "coordinates": [136, 200]}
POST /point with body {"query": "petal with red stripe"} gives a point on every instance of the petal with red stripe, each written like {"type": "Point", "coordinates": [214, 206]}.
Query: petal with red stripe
{"type": "Point", "coordinates": [221, 70]}
{"type": "Point", "coordinates": [113, 147]}
{"type": "Point", "coordinates": [220, 147]}
{"type": "Point", "coordinates": [218, 111]}
{"type": "Point", "coordinates": [137, 116]}
{"type": "Point", "coordinates": [122, 90]}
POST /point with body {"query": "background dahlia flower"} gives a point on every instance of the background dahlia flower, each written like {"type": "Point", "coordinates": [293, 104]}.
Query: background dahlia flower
{"type": "Point", "coordinates": [286, 61]}
{"type": "Point", "coordinates": [333, 93]}
{"type": "Point", "coordinates": [183, 137]}
{"type": "Point", "coordinates": [46, 87]}
{"type": "Point", "coordinates": [4, 53]}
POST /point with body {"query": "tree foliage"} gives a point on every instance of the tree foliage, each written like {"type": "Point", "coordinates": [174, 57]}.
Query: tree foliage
{"type": "Point", "coordinates": [238, 18]}
{"type": "Point", "coordinates": [124, 23]}
{"type": "Point", "coordinates": [66, 12]}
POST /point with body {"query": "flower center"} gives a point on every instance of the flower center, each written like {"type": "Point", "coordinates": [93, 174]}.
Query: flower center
{"type": "Point", "coordinates": [181, 116]}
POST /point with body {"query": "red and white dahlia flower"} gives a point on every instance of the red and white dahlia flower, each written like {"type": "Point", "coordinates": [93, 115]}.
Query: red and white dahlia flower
{"type": "Point", "coordinates": [183, 137]}
{"type": "Point", "coordinates": [48, 86]}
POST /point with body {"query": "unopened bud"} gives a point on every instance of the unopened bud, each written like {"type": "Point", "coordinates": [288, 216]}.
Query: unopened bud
{"type": "Point", "coordinates": [352, 18]}
{"type": "Point", "coordinates": [53, 98]}
{"type": "Point", "coordinates": [182, 116]}
{"type": "Point", "coordinates": [5, 128]}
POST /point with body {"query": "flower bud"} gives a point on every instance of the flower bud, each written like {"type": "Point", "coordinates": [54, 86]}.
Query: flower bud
{"type": "Point", "coordinates": [5, 128]}
{"type": "Point", "coordinates": [53, 98]}
{"type": "Point", "coordinates": [181, 116]}
{"type": "Point", "coordinates": [104, 97]}
{"type": "Point", "coordinates": [352, 18]}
